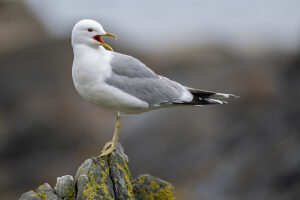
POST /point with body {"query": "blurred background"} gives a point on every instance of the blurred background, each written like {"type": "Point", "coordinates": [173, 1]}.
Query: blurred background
{"type": "Point", "coordinates": [248, 149]}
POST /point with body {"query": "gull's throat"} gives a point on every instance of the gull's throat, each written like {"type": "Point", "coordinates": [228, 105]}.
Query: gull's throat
{"type": "Point", "coordinates": [98, 38]}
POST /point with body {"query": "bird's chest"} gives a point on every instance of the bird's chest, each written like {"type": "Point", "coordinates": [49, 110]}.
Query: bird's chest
{"type": "Point", "coordinates": [89, 78]}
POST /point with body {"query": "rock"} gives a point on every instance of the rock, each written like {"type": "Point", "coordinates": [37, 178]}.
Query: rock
{"type": "Point", "coordinates": [104, 178]}
{"type": "Point", "coordinates": [120, 174]}
{"type": "Point", "coordinates": [81, 183]}
{"type": "Point", "coordinates": [148, 187]}
{"type": "Point", "coordinates": [65, 187]}
{"type": "Point", "coordinates": [31, 195]}
{"type": "Point", "coordinates": [45, 192]}
{"type": "Point", "coordinates": [94, 180]}
{"type": "Point", "coordinates": [107, 177]}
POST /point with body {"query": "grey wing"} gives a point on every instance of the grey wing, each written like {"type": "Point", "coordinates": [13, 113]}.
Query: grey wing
{"type": "Point", "coordinates": [135, 78]}
{"type": "Point", "coordinates": [129, 66]}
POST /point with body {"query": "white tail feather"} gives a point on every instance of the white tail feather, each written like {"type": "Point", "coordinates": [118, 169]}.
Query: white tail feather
{"type": "Point", "coordinates": [224, 96]}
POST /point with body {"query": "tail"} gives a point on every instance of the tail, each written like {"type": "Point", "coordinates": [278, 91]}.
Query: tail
{"type": "Point", "coordinates": [202, 97]}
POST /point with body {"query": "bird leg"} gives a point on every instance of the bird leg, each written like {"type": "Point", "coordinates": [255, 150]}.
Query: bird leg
{"type": "Point", "coordinates": [110, 146]}
{"type": "Point", "coordinates": [107, 144]}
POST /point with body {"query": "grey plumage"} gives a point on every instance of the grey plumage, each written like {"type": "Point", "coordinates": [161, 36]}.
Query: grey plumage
{"type": "Point", "coordinates": [133, 77]}
{"type": "Point", "coordinates": [128, 66]}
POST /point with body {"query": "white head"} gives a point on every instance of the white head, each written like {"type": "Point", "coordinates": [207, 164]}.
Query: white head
{"type": "Point", "coordinates": [89, 32]}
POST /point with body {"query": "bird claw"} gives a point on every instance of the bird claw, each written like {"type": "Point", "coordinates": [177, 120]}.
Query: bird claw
{"type": "Point", "coordinates": [107, 144]}
{"type": "Point", "coordinates": [108, 148]}
{"type": "Point", "coordinates": [111, 145]}
{"type": "Point", "coordinates": [107, 151]}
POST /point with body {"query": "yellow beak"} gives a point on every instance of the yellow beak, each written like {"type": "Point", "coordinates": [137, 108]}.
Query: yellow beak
{"type": "Point", "coordinates": [110, 35]}
{"type": "Point", "coordinates": [98, 38]}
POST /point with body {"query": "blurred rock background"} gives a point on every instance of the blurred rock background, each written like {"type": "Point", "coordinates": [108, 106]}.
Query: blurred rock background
{"type": "Point", "coordinates": [248, 149]}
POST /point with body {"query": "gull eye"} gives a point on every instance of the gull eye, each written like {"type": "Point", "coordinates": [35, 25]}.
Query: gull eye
{"type": "Point", "coordinates": [90, 29]}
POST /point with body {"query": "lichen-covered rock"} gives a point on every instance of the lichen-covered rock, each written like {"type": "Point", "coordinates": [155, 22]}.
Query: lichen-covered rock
{"type": "Point", "coordinates": [45, 192]}
{"type": "Point", "coordinates": [81, 183]}
{"type": "Point", "coordinates": [104, 178]}
{"type": "Point", "coordinates": [147, 187]}
{"type": "Point", "coordinates": [120, 174]}
{"type": "Point", "coordinates": [93, 180]}
{"type": "Point", "coordinates": [30, 195]}
{"type": "Point", "coordinates": [65, 187]}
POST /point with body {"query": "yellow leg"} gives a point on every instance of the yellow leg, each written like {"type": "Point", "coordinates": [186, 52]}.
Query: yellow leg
{"type": "Point", "coordinates": [110, 146]}
{"type": "Point", "coordinates": [107, 144]}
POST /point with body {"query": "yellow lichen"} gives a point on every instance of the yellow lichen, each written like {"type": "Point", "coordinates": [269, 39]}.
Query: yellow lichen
{"type": "Point", "coordinates": [105, 190]}
{"type": "Point", "coordinates": [102, 162]}
{"type": "Point", "coordinates": [34, 194]}
{"type": "Point", "coordinates": [85, 191]}
{"type": "Point", "coordinates": [141, 179]}
{"type": "Point", "coordinates": [71, 194]}
{"type": "Point", "coordinates": [104, 175]}
{"type": "Point", "coordinates": [127, 178]}
{"type": "Point", "coordinates": [155, 191]}
{"type": "Point", "coordinates": [42, 187]}
{"type": "Point", "coordinates": [154, 185]}
{"type": "Point", "coordinates": [103, 180]}
{"type": "Point", "coordinates": [42, 196]}
{"type": "Point", "coordinates": [169, 190]}
{"type": "Point", "coordinates": [166, 193]}
{"type": "Point", "coordinates": [92, 187]}
{"type": "Point", "coordinates": [147, 195]}
{"type": "Point", "coordinates": [110, 161]}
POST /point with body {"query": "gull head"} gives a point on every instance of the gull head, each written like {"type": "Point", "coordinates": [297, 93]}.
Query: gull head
{"type": "Point", "coordinates": [89, 32]}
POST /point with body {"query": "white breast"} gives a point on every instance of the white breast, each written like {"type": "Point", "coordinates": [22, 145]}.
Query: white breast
{"type": "Point", "coordinates": [90, 68]}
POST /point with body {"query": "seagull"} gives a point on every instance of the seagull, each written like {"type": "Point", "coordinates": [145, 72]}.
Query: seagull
{"type": "Point", "coordinates": [123, 83]}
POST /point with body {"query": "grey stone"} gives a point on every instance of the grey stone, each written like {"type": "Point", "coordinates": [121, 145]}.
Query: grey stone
{"type": "Point", "coordinates": [93, 180]}
{"type": "Point", "coordinates": [104, 178]}
{"type": "Point", "coordinates": [65, 187]}
{"type": "Point", "coordinates": [147, 187]}
{"type": "Point", "coordinates": [81, 183]}
{"type": "Point", "coordinates": [45, 191]}
{"type": "Point", "coordinates": [30, 195]}
{"type": "Point", "coordinates": [120, 174]}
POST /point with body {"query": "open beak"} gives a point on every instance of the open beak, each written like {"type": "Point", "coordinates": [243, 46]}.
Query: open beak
{"type": "Point", "coordinates": [98, 38]}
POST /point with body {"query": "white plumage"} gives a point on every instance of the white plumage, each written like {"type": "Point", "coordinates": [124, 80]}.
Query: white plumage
{"type": "Point", "coordinates": [122, 83]}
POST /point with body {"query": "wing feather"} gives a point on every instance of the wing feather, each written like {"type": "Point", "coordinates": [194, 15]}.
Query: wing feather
{"type": "Point", "coordinates": [133, 77]}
